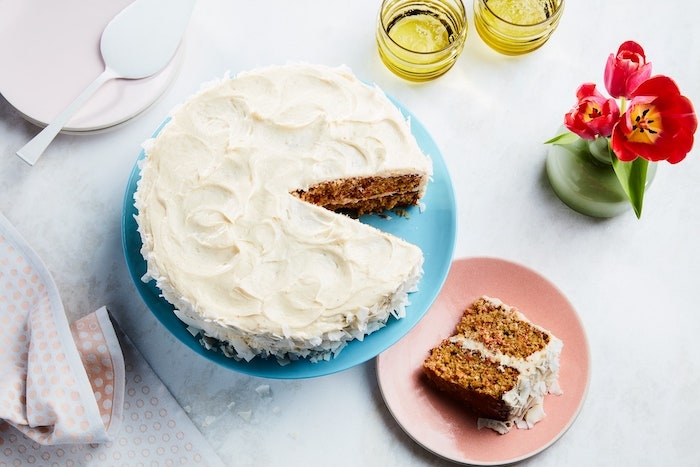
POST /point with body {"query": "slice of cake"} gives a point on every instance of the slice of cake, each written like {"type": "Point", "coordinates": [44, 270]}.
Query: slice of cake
{"type": "Point", "coordinates": [236, 211]}
{"type": "Point", "coordinates": [499, 364]}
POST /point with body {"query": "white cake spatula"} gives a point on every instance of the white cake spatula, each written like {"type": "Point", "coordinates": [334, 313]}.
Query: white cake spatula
{"type": "Point", "coordinates": [138, 42]}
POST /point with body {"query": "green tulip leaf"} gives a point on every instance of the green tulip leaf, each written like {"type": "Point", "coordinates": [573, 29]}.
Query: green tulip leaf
{"type": "Point", "coordinates": [632, 176]}
{"type": "Point", "coordinates": [564, 138]}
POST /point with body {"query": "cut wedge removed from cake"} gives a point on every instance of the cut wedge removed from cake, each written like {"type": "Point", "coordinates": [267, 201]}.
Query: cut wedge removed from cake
{"type": "Point", "coordinates": [236, 211]}
{"type": "Point", "coordinates": [499, 364]}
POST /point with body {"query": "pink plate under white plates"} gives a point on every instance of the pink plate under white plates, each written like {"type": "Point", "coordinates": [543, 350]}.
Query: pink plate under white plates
{"type": "Point", "coordinates": [50, 52]}
{"type": "Point", "coordinates": [441, 425]}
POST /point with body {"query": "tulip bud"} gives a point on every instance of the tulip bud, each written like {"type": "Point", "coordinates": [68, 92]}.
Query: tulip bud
{"type": "Point", "coordinates": [626, 70]}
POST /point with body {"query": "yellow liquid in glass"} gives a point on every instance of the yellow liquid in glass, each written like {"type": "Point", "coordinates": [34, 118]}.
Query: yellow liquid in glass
{"type": "Point", "coordinates": [523, 12]}
{"type": "Point", "coordinates": [420, 40]}
{"type": "Point", "coordinates": [515, 27]}
{"type": "Point", "coordinates": [420, 33]}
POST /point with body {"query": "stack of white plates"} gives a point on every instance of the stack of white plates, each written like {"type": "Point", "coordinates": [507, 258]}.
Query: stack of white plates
{"type": "Point", "coordinates": [50, 52]}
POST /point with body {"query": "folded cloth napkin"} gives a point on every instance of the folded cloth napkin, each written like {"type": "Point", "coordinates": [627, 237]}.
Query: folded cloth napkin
{"type": "Point", "coordinates": [78, 394]}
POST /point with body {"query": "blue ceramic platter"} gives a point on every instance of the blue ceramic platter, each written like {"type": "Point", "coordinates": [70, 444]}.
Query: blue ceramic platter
{"type": "Point", "coordinates": [433, 229]}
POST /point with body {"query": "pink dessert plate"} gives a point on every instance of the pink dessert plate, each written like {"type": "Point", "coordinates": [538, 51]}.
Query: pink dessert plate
{"type": "Point", "coordinates": [50, 51]}
{"type": "Point", "coordinates": [441, 425]}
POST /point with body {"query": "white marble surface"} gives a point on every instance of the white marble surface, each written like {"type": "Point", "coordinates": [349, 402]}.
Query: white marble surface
{"type": "Point", "coordinates": [635, 283]}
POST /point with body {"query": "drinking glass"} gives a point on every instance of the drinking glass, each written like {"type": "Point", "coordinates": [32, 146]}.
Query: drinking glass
{"type": "Point", "coordinates": [515, 27]}
{"type": "Point", "coordinates": [421, 40]}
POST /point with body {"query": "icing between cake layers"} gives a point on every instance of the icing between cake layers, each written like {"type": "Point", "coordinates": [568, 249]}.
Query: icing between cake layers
{"type": "Point", "coordinates": [237, 254]}
{"type": "Point", "coordinates": [538, 376]}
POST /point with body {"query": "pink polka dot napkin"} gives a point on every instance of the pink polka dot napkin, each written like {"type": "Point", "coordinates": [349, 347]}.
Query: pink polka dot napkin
{"type": "Point", "coordinates": [78, 394]}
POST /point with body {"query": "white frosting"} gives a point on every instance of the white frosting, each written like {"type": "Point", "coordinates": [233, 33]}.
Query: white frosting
{"type": "Point", "coordinates": [539, 376]}
{"type": "Point", "coordinates": [239, 256]}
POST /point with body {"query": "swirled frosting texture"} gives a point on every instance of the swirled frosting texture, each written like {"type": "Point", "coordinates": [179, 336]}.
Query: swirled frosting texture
{"type": "Point", "coordinates": [239, 256]}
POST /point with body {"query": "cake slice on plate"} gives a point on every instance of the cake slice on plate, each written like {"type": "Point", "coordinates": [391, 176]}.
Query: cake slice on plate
{"type": "Point", "coordinates": [499, 364]}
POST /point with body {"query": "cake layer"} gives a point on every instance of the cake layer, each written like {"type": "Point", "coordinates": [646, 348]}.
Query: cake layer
{"type": "Point", "coordinates": [481, 387]}
{"type": "Point", "coordinates": [375, 205]}
{"type": "Point", "coordinates": [501, 328]}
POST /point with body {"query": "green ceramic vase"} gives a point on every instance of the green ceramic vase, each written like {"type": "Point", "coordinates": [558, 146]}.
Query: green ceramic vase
{"type": "Point", "coordinates": [582, 176]}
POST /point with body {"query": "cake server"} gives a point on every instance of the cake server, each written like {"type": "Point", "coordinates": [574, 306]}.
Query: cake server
{"type": "Point", "coordinates": [137, 43]}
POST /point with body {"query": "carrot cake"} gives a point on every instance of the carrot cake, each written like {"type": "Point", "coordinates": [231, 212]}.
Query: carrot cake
{"type": "Point", "coordinates": [499, 364]}
{"type": "Point", "coordinates": [238, 206]}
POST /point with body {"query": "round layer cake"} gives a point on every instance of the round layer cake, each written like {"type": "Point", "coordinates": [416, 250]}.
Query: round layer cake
{"type": "Point", "coordinates": [242, 211]}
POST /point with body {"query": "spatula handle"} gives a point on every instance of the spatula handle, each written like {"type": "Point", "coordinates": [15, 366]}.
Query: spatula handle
{"type": "Point", "coordinates": [31, 151]}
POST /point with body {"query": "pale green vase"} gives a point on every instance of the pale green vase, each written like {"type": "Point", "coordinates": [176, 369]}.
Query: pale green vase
{"type": "Point", "coordinates": [582, 176]}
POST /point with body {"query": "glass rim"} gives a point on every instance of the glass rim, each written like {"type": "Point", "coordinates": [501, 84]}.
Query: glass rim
{"type": "Point", "coordinates": [557, 12]}
{"type": "Point", "coordinates": [451, 45]}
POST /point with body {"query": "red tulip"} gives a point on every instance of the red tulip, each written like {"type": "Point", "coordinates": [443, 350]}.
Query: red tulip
{"type": "Point", "coordinates": [626, 70]}
{"type": "Point", "coordinates": [594, 114]}
{"type": "Point", "coordinates": [658, 125]}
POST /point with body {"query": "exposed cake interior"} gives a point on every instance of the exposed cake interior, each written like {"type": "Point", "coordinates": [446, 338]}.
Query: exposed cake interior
{"type": "Point", "coordinates": [501, 329]}
{"type": "Point", "coordinates": [367, 194]}
{"type": "Point", "coordinates": [480, 387]}
{"type": "Point", "coordinates": [498, 363]}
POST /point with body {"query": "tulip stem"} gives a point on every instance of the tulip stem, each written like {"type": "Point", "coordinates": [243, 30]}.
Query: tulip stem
{"type": "Point", "coordinates": [623, 105]}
